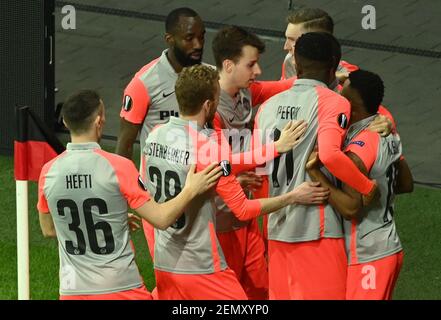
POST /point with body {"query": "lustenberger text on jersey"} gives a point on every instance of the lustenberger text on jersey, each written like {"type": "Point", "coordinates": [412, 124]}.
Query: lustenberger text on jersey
{"type": "Point", "coordinates": [287, 112]}
{"type": "Point", "coordinates": [79, 181]}
{"type": "Point", "coordinates": [168, 153]}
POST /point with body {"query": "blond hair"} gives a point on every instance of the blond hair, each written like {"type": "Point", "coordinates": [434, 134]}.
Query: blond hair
{"type": "Point", "coordinates": [194, 86]}
{"type": "Point", "coordinates": [312, 19]}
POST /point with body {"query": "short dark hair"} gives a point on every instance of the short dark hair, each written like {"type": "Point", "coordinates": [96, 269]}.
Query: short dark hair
{"type": "Point", "coordinates": [79, 110]}
{"type": "Point", "coordinates": [312, 19]}
{"type": "Point", "coordinates": [172, 20]}
{"type": "Point", "coordinates": [370, 87]}
{"type": "Point", "coordinates": [229, 41]}
{"type": "Point", "coordinates": [194, 86]}
{"type": "Point", "coordinates": [320, 48]}
{"type": "Point", "coordinates": [336, 48]}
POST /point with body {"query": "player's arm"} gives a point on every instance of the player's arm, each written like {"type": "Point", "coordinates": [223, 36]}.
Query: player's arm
{"type": "Point", "coordinates": [313, 194]}
{"type": "Point", "coordinates": [383, 124]}
{"type": "Point", "coordinates": [218, 124]}
{"type": "Point", "coordinates": [260, 154]}
{"type": "Point", "coordinates": [347, 201]}
{"type": "Point", "coordinates": [263, 90]}
{"type": "Point", "coordinates": [195, 185]}
{"type": "Point", "coordinates": [404, 182]}
{"type": "Point", "coordinates": [308, 193]}
{"type": "Point", "coordinates": [46, 222]}
{"type": "Point", "coordinates": [135, 105]}
{"type": "Point", "coordinates": [343, 73]}
{"type": "Point", "coordinates": [47, 225]}
{"type": "Point", "coordinates": [244, 209]}
{"type": "Point", "coordinates": [382, 110]}
{"type": "Point", "coordinates": [283, 77]}
{"type": "Point", "coordinates": [126, 138]}
{"type": "Point", "coordinates": [162, 215]}
{"type": "Point", "coordinates": [348, 67]}
{"type": "Point", "coordinates": [333, 118]}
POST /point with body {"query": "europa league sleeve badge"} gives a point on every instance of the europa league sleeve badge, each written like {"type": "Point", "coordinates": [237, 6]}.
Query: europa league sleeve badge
{"type": "Point", "coordinates": [226, 167]}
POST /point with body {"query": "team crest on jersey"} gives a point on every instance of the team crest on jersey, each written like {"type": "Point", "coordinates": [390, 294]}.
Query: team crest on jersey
{"type": "Point", "coordinates": [342, 121]}
{"type": "Point", "coordinates": [358, 143]}
{"type": "Point", "coordinates": [127, 103]}
{"type": "Point", "coordinates": [226, 167]}
{"type": "Point", "coordinates": [141, 184]}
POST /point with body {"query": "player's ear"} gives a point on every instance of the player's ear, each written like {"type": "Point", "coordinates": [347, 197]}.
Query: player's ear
{"type": "Point", "coordinates": [206, 106]}
{"type": "Point", "coordinates": [97, 121]}
{"type": "Point", "coordinates": [102, 112]}
{"type": "Point", "coordinates": [299, 69]}
{"type": "Point", "coordinates": [227, 65]}
{"type": "Point", "coordinates": [169, 39]}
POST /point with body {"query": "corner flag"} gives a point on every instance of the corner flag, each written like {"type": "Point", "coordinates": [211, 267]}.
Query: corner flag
{"type": "Point", "coordinates": [34, 145]}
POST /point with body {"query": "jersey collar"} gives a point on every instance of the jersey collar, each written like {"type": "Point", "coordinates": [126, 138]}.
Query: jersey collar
{"type": "Point", "coordinates": [309, 82]}
{"type": "Point", "coordinates": [82, 146]}
{"type": "Point", "coordinates": [166, 64]}
{"type": "Point", "coordinates": [182, 122]}
{"type": "Point", "coordinates": [355, 128]}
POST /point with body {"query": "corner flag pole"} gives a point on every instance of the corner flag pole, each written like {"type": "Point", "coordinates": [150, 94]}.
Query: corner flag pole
{"type": "Point", "coordinates": [21, 192]}
{"type": "Point", "coordinates": [35, 144]}
{"type": "Point", "coordinates": [22, 239]}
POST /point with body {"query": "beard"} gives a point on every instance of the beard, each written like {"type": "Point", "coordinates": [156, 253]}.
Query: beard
{"type": "Point", "coordinates": [185, 59]}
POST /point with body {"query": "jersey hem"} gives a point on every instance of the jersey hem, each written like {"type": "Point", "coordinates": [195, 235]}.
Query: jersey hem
{"type": "Point", "coordinates": [211, 271]}
{"type": "Point", "coordinates": [103, 291]}
{"type": "Point", "coordinates": [377, 257]}
{"type": "Point", "coordinates": [303, 239]}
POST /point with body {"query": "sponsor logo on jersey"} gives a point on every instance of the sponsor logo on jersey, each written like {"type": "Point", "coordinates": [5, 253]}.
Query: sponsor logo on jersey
{"type": "Point", "coordinates": [165, 95]}
{"type": "Point", "coordinates": [342, 121]}
{"type": "Point", "coordinates": [141, 184]}
{"type": "Point", "coordinates": [128, 102]}
{"type": "Point", "coordinates": [358, 143]}
{"type": "Point", "coordinates": [226, 167]}
{"type": "Point", "coordinates": [165, 114]}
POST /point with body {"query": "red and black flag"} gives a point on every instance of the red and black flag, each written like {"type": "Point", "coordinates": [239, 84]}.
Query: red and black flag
{"type": "Point", "coordinates": [35, 144]}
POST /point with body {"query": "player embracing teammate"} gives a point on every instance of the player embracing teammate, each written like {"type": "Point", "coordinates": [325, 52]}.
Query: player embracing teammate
{"type": "Point", "coordinates": [209, 246]}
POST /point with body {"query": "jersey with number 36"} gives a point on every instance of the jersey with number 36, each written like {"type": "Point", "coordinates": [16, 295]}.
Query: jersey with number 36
{"type": "Point", "coordinates": [87, 192]}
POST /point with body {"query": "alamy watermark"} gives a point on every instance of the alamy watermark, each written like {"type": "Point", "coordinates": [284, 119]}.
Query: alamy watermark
{"type": "Point", "coordinates": [369, 21]}
{"type": "Point", "coordinates": [206, 147]}
{"type": "Point", "coordinates": [69, 20]}
{"type": "Point", "coordinates": [369, 281]}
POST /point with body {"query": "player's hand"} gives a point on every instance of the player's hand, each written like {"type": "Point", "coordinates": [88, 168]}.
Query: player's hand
{"type": "Point", "coordinates": [198, 183]}
{"type": "Point", "coordinates": [313, 160]}
{"type": "Point", "coordinates": [382, 125]}
{"type": "Point", "coordinates": [134, 222]}
{"type": "Point", "coordinates": [290, 136]}
{"type": "Point", "coordinates": [341, 76]}
{"type": "Point", "coordinates": [373, 195]}
{"type": "Point", "coordinates": [250, 180]}
{"type": "Point", "coordinates": [309, 193]}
